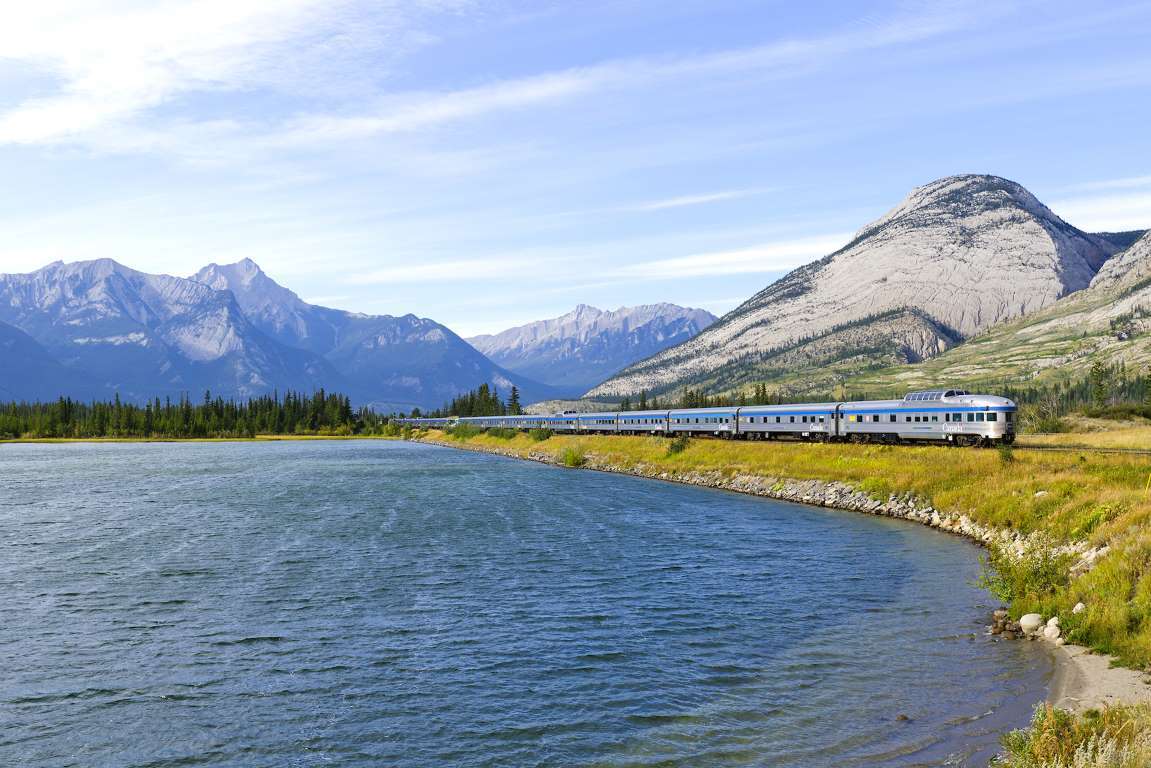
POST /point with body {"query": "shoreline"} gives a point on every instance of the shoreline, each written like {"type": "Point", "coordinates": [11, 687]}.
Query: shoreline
{"type": "Point", "coordinates": [1081, 680]}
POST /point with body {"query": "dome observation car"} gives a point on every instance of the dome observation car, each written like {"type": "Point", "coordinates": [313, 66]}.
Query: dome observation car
{"type": "Point", "coordinates": [934, 394]}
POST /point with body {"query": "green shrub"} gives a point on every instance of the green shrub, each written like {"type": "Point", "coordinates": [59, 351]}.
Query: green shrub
{"type": "Point", "coordinates": [678, 445]}
{"type": "Point", "coordinates": [1025, 580]}
{"type": "Point", "coordinates": [877, 488]}
{"type": "Point", "coordinates": [463, 431]}
{"type": "Point", "coordinates": [573, 456]}
{"type": "Point", "coordinates": [539, 435]}
{"type": "Point", "coordinates": [1006, 454]}
{"type": "Point", "coordinates": [503, 433]}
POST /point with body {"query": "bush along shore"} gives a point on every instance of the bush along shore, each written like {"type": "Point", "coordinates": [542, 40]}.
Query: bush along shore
{"type": "Point", "coordinates": [1067, 534]}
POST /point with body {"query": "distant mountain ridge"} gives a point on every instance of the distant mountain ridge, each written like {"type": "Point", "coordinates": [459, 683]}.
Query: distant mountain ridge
{"type": "Point", "coordinates": [957, 256]}
{"type": "Point", "coordinates": [583, 347]}
{"type": "Point", "coordinates": [385, 361]}
{"type": "Point", "coordinates": [150, 335]}
{"type": "Point", "coordinates": [97, 328]}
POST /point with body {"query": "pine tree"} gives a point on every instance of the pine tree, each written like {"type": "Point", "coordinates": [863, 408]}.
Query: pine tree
{"type": "Point", "coordinates": [514, 408]}
{"type": "Point", "coordinates": [1097, 381]}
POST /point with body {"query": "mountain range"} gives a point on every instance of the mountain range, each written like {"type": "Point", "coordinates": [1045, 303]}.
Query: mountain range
{"type": "Point", "coordinates": [587, 345]}
{"type": "Point", "coordinates": [969, 278]}
{"type": "Point", "coordinates": [958, 256]}
{"type": "Point", "coordinates": [91, 329]}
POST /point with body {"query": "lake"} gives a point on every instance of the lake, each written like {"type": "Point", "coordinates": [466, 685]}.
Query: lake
{"type": "Point", "coordinates": [367, 603]}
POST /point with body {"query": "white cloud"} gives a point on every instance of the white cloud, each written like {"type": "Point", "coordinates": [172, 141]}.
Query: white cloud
{"type": "Point", "coordinates": [768, 257]}
{"type": "Point", "coordinates": [113, 60]}
{"type": "Point", "coordinates": [116, 62]}
{"type": "Point", "coordinates": [689, 200]}
{"type": "Point", "coordinates": [1108, 213]}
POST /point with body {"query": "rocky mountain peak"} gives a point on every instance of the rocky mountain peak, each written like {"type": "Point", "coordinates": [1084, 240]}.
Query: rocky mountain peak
{"type": "Point", "coordinates": [579, 348]}
{"type": "Point", "coordinates": [966, 252]}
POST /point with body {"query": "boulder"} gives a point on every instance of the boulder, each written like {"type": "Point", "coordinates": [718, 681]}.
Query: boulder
{"type": "Point", "coordinates": [1051, 632]}
{"type": "Point", "coordinates": [1053, 621]}
{"type": "Point", "coordinates": [1030, 622]}
{"type": "Point", "coordinates": [1079, 608]}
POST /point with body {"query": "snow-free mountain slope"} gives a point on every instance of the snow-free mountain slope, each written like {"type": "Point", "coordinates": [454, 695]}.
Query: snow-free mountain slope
{"type": "Point", "coordinates": [966, 252]}
{"type": "Point", "coordinates": [150, 335]}
{"type": "Point", "coordinates": [1132, 264]}
{"type": "Point", "coordinates": [585, 346]}
{"type": "Point", "coordinates": [276, 310]}
{"type": "Point", "coordinates": [1109, 322]}
{"type": "Point", "coordinates": [386, 362]}
{"type": "Point", "coordinates": [27, 370]}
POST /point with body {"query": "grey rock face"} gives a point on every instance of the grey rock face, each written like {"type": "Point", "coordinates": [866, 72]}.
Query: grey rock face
{"type": "Point", "coordinates": [149, 335]}
{"type": "Point", "coordinates": [1131, 265]}
{"type": "Point", "coordinates": [966, 251]}
{"type": "Point", "coordinates": [587, 345]}
{"type": "Point", "coordinates": [384, 361]}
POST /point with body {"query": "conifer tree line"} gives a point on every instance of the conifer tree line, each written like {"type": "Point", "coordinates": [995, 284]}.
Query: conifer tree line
{"type": "Point", "coordinates": [321, 413]}
{"type": "Point", "coordinates": [481, 401]}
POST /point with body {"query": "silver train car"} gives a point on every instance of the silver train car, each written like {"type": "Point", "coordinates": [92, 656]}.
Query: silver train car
{"type": "Point", "coordinates": [945, 416]}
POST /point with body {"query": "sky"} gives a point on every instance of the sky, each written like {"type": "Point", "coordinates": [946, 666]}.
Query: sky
{"type": "Point", "coordinates": [489, 163]}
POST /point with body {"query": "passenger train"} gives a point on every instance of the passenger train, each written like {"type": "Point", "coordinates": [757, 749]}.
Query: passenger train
{"type": "Point", "coordinates": [951, 416]}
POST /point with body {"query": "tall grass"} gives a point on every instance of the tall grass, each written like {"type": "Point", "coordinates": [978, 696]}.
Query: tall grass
{"type": "Point", "coordinates": [1117, 737]}
{"type": "Point", "coordinates": [573, 456]}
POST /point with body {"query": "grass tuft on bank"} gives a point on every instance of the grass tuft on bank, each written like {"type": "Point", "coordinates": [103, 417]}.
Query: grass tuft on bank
{"type": "Point", "coordinates": [1117, 737]}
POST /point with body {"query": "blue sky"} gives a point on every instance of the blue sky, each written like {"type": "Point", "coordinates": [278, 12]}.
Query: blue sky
{"type": "Point", "coordinates": [491, 163]}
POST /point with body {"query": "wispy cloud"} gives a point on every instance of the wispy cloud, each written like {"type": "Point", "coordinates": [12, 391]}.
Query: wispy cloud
{"type": "Point", "coordinates": [117, 64]}
{"type": "Point", "coordinates": [690, 200]}
{"type": "Point", "coordinates": [1124, 205]}
{"type": "Point", "coordinates": [115, 61]}
{"type": "Point", "coordinates": [768, 257]}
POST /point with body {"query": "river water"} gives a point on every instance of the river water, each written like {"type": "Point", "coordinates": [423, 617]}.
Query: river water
{"type": "Point", "coordinates": [391, 604]}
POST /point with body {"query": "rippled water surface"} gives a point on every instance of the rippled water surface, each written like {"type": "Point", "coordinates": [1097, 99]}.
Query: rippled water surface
{"type": "Point", "coordinates": [377, 603]}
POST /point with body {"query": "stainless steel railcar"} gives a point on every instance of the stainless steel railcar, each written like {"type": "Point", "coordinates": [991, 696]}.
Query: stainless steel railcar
{"type": "Point", "coordinates": [952, 416]}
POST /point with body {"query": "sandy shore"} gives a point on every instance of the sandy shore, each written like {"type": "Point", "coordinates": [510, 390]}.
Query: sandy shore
{"type": "Point", "coordinates": [1085, 680]}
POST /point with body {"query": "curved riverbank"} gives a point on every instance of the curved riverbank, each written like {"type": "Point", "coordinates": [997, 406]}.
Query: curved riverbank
{"type": "Point", "coordinates": [1082, 679]}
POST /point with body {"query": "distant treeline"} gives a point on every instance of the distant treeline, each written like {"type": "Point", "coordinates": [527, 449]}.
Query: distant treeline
{"type": "Point", "coordinates": [482, 401]}
{"type": "Point", "coordinates": [321, 413]}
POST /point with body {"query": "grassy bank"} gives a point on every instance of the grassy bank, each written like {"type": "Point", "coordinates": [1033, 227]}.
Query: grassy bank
{"type": "Point", "coordinates": [1060, 496]}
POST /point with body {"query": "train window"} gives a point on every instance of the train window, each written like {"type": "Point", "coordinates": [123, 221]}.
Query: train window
{"type": "Point", "coordinates": [820, 419]}
{"type": "Point", "coordinates": [778, 419]}
{"type": "Point", "coordinates": [907, 418]}
{"type": "Point", "coordinates": [892, 417]}
{"type": "Point", "coordinates": [803, 419]}
{"type": "Point", "coordinates": [957, 417]}
{"type": "Point", "coordinates": [917, 418]}
{"type": "Point", "coordinates": [1008, 417]}
{"type": "Point", "coordinates": [792, 419]}
{"type": "Point", "coordinates": [993, 417]}
{"type": "Point", "coordinates": [971, 417]}
{"type": "Point", "coordinates": [979, 417]}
